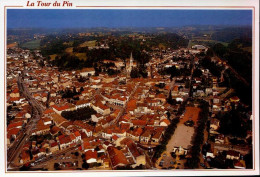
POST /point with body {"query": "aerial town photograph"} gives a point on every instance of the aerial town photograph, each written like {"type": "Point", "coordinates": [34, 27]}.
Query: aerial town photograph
{"type": "Point", "coordinates": [95, 89]}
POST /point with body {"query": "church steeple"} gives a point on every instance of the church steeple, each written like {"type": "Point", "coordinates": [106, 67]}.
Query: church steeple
{"type": "Point", "coordinates": [130, 65]}
{"type": "Point", "coordinates": [131, 61]}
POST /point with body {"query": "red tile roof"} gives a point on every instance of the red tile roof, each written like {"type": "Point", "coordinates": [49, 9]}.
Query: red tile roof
{"type": "Point", "coordinates": [60, 108]}
{"type": "Point", "coordinates": [139, 122]}
{"type": "Point", "coordinates": [72, 137]}
{"type": "Point", "coordinates": [54, 130]}
{"type": "Point", "coordinates": [16, 90]}
{"type": "Point", "coordinates": [64, 139]}
{"type": "Point", "coordinates": [131, 105]}
{"type": "Point", "coordinates": [77, 133]}
{"type": "Point", "coordinates": [166, 121]}
{"type": "Point", "coordinates": [114, 137]}
{"type": "Point", "coordinates": [12, 99]}
{"type": "Point", "coordinates": [131, 146]}
{"type": "Point", "coordinates": [13, 131]}
{"type": "Point", "coordinates": [15, 125]}
{"type": "Point", "coordinates": [48, 111]}
{"type": "Point", "coordinates": [54, 144]}
{"type": "Point", "coordinates": [117, 157]}
{"type": "Point", "coordinates": [233, 153]}
{"type": "Point", "coordinates": [147, 133]}
{"type": "Point", "coordinates": [138, 131]}
{"type": "Point", "coordinates": [191, 113]}
{"type": "Point", "coordinates": [91, 155]}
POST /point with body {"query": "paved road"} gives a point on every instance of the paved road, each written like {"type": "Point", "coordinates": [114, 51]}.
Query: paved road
{"type": "Point", "coordinates": [16, 148]}
{"type": "Point", "coordinates": [122, 111]}
{"type": "Point", "coordinates": [189, 44]}
{"type": "Point", "coordinates": [166, 155]}
{"type": "Point", "coordinates": [171, 85]}
{"type": "Point", "coordinates": [44, 160]}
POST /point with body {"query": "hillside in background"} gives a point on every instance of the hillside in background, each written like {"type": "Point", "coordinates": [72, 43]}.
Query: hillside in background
{"type": "Point", "coordinates": [229, 34]}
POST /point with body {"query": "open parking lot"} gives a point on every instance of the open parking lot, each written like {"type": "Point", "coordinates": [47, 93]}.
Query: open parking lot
{"type": "Point", "coordinates": [181, 137]}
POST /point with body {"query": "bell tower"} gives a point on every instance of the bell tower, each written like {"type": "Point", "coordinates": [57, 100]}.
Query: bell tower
{"type": "Point", "coordinates": [130, 66]}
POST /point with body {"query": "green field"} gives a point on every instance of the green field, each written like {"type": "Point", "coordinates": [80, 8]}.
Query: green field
{"type": "Point", "coordinates": [70, 43]}
{"type": "Point", "coordinates": [88, 44]}
{"type": "Point", "coordinates": [35, 44]}
{"type": "Point", "coordinates": [206, 41]}
{"type": "Point", "coordinates": [81, 56]}
{"type": "Point", "coordinates": [69, 50]}
{"type": "Point", "coordinates": [53, 56]}
{"type": "Point", "coordinates": [248, 49]}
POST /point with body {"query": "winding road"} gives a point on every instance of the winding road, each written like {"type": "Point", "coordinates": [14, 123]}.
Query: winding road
{"type": "Point", "coordinates": [16, 148]}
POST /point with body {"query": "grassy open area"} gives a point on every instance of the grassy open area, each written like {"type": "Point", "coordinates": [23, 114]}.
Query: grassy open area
{"type": "Point", "coordinates": [35, 44]}
{"type": "Point", "coordinates": [88, 44]}
{"type": "Point", "coordinates": [81, 56]}
{"type": "Point", "coordinates": [53, 56]}
{"type": "Point", "coordinates": [12, 45]}
{"type": "Point", "coordinates": [70, 43]}
{"type": "Point", "coordinates": [248, 49]}
{"type": "Point", "coordinates": [209, 32]}
{"type": "Point", "coordinates": [206, 41]}
{"type": "Point", "coordinates": [161, 46]}
{"type": "Point", "coordinates": [69, 50]}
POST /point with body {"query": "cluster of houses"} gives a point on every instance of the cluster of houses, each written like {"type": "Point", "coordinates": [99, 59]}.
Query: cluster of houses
{"type": "Point", "coordinates": [220, 100]}
{"type": "Point", "coordinates": [127, 115]}
{"type": "Point", "coordinates": [222, 143]}
{"type": "Point", "coordinates": [130, 113]}
{"type": "Point", "coordinates": [18, 108]}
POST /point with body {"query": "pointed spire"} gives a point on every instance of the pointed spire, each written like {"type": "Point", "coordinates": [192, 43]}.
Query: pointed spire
{"type": "Point", "coordinates": [131, 60]}
{"type": "Point", "coordinates": [131, 56]}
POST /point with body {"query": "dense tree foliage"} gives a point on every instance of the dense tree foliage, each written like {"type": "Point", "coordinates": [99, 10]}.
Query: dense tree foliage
{"type": "Point", "coordinates": [233, 123]}
{"type": "Point", "coordinates": [67, 61]}
{"type": "Point", "coordinates": [171, 40]}
{"type": "Point", "coordinates": [138, 72]}
{"type": "Point", "coordinates": [9, 117]}
{"type": "Point", "coordinates": [119, 47]}
{"type": "Point", "coordinates": [85, 165]}
{"type": "Point", "coordinates": [213, 68]}
{"type": "Point", "coordinates": [237, 56]}
{"type": "Point", "coordinates": [239, 59]}
{"type": "Point", "coordinates": [219, 49]}
{"type": "Point", "coordinates": [79, 114]}
{"type": "Point", "coordinates": [199, 136]}
{"type": "Point", "coordinates": [57, 166]}
{"type": "Point", "coordinates": [170, 100]}
{"type": "Point", "coordinates": [197, 73]}
{"type": "Point", "coordinates": [231, 33]}
{"type": "Point", "coordinates": [68, 93]}
{"type": "Point", "coordinates": [243, 91]}
{"type": "Point", "coordinates": [249, 160]}
{"type": "Point", "coordinates": [174, 72]}
{"type": "Point", "coordinates": [40, 138]}
{"type": "Point", "coordinates": [166, 137]}
{"type": "Point", "coordinates": [51, 45]}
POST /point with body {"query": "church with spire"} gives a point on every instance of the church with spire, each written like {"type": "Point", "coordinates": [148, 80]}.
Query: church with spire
{"type": "Point", "coordinates": [130, 65]}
